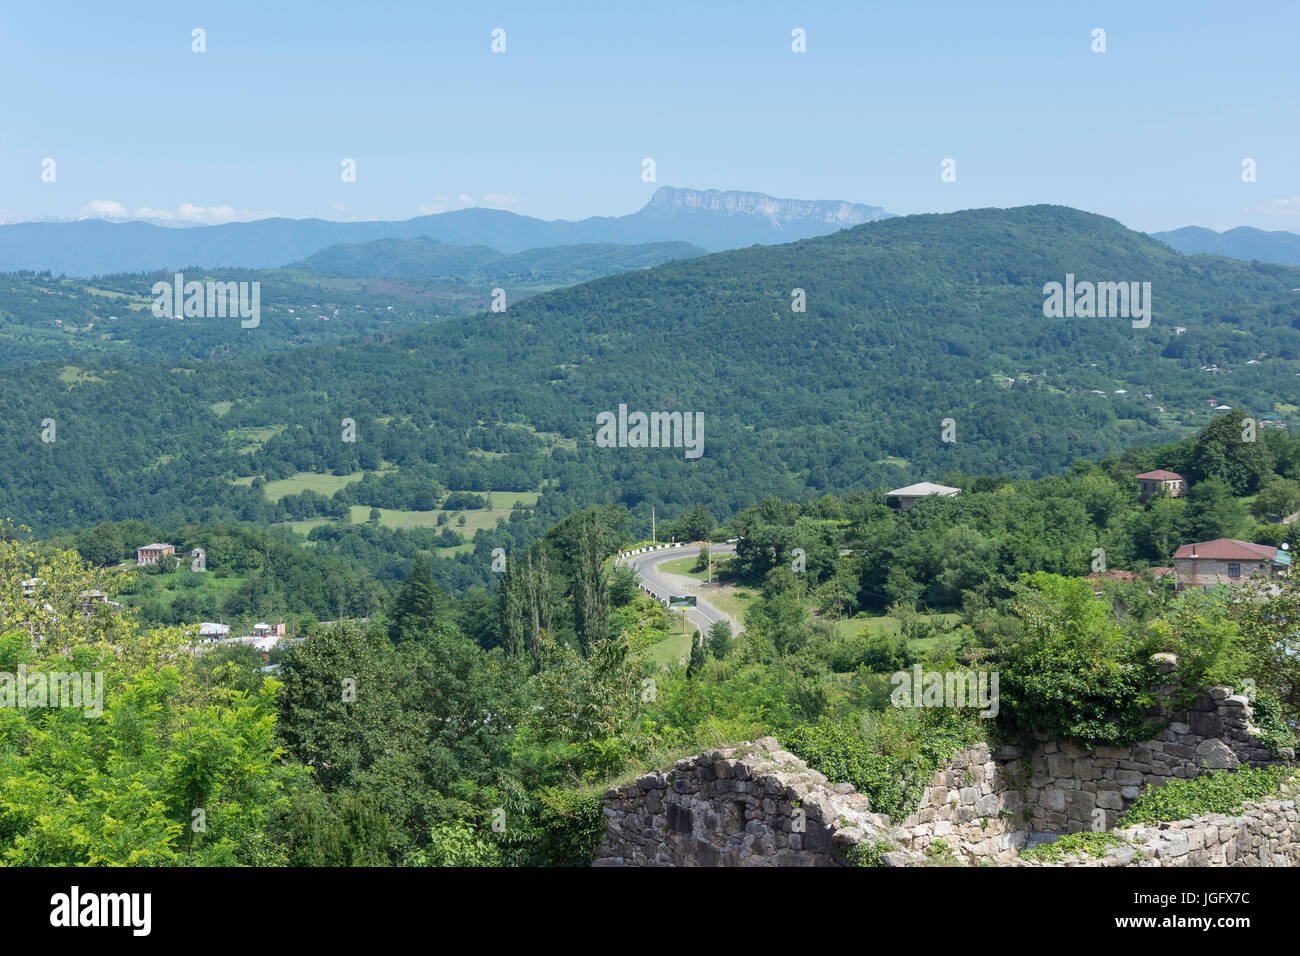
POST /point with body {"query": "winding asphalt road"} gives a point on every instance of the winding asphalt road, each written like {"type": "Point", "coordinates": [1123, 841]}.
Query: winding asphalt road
{"type": "Point", "coordinates": [652, 580]}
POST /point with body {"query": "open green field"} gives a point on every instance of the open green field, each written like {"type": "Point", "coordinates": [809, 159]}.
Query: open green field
{"type": "Point", "coordinates": [686, 567]}
{"type": "Point", "coordinates": [308, 481]}
{"type": "Point", "coordinates": [475, 519]}
{"type": "Point", "coordinates": [73, 374]}
{"type": "Point", "coordinates": [886, 624]}
{"type": "Point", "coordinates": [732, 602]}
{"type": "Point", "coordinates": [252, 439]}
{"type": "Point", "coordinates": [670, 651]}
{"type": "Point", "coordinates": [166, 588]}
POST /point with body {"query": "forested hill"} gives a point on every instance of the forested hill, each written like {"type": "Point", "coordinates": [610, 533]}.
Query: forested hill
{"type": "Point", "coordinates": [909, 321]}
{"type": "Point", "coordinates": [427, 258]}
{"type": "Point", "coordinates": [1240, 243]}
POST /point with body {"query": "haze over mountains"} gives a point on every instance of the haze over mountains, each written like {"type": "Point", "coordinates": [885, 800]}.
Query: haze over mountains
{"type": "Point", "coordinates": [711, 219]}
{"type": "Point", "coordinates": [1243, 242]}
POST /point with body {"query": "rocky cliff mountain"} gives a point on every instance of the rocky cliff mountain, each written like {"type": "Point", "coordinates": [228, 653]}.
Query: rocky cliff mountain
{"type": "Point", "coordinates": [710, 219]}
{"type": "Point", "coordinates": [781, 214]}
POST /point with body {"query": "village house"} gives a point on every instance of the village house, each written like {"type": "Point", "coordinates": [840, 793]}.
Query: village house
{"type": "Point", "coordinates": [152, 553]}
{"type": "Point", "coordinates": [1227, 561]}
{"type": "Point", "coordinates": [209, 631]}
{"type": "Point", "coordinates": [89, 600]}
{"type": "Point", "coordinates": [268, 630]}
{"type": "Point", "coordinates": [913, 493]}
{"type": "Point", "coordinates": [1151, 482]}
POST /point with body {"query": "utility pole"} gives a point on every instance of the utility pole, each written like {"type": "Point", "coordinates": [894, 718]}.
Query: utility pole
{"type": "Point", "coordinates": [653, 539]}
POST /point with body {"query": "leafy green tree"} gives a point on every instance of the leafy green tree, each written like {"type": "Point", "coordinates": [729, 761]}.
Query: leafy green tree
{"type": "Point", "coordinates": [1073, 673]}
{"type": "Point", "coordinates": [1221, 452]}
{"type": "Point", "coordinates": [699, 655]}
{"type": "Point", "coordinates": [719, 639]}
{"type": "Point", "coordinates": [1212, 512]}
{"type": "Point", "coordinates": [590, 586]}
{"type": "Point", "coordinates": [696, 524]}
{"type": "Point", "coordinates": [103, 545]}
{"type": "Point", "coordinates": [1281, 496]}
{"type": "Point", "coordinates": [421, 604]}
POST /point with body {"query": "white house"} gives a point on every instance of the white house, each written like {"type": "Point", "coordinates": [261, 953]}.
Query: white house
{"type": "Point", "coordinates": [913, 493]}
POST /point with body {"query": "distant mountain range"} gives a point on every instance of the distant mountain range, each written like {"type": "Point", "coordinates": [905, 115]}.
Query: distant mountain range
{"type": "Point", "coordinates": [1240, 243]}
{"type": "Point", "coordinates": [708, 218]}
{"type": "Point", "coordinates": [427, 258]}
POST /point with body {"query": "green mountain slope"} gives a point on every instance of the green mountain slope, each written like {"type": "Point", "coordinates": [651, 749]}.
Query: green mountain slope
{"type": "Point", "coordinates": [909, 321]}
{"type": "Point", "coordinates": [1243, 242]}
{"type": "Point", "coordinates": [427, 258]}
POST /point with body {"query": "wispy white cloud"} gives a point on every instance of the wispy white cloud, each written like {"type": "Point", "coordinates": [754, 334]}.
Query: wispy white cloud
{"type": "Point", "coordinates": [205, 215]}
{"type": "Point", "coordinates": [103, 209]}
{"type": "Point", "coordinates": [1281, 207]}
{"type": "Point", "coordinates": [444, 203]}
{"type": "Point", "coordinates": [185, 212]}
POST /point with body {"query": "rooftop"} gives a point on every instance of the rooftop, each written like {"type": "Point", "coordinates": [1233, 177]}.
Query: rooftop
{"type": "Point", "coordinates": [923, 488]}
{"type": "Point", "coordinates": [1228, 549]}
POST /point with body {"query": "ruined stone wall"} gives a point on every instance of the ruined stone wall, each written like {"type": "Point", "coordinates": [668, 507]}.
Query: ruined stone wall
{"type": "Point", "coordinates": [1265, 833]}
{"type": "Point", "coordinates": [994, 804]}
{"type": "Point", "coordinates": [752, 805]}
{"type": "Point", "coordinates": [758, 805]}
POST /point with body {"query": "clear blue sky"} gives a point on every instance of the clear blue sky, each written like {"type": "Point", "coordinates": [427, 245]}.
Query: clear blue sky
{"type": "Point", "coordinates": [1152, 132]}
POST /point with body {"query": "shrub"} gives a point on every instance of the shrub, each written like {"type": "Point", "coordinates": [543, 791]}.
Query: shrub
{"type": "Point", "coordinates": [1220, 791]}
{"type": "Point", "coordinates": [890, 757]}
{"type": "Point", "coordinates": [1073, 675]}
{"type": "Point", "coordinates": [1267, 716]}
{"type": "Point", "coordinates": [1088, 844]}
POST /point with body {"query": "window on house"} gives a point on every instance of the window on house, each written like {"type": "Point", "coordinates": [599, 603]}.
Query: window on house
{"type": "Point", "coordinates": [1234, 570]}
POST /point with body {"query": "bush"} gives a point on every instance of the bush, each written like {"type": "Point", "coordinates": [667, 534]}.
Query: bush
{"type": "Point", "coordinates": [1073, 675]}
{"type": "Point", "coordinates": [463, 501]}
{"type": "Point", "coordinates": [1068, 694]}
{"type": "Point", "coordinates": [881, 652]}
{"type": "Point", "coordinates": [1267, 716]}
{"type": "Point", "coordinates": [890, 757]}
{"type": "Point", "coordinates": [1088, 844]}
{"type": "Point", "coordinates": [1220, 791]}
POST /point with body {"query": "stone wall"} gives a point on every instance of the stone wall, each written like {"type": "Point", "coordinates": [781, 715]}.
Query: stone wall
{"type": "Point", "coordinates": [994, 804]}
{"type": "Point", "coordinates": [972, 808]}
{"type": "Point", "coordinates": [758, 805]}
{"type": "Point", "coordinates": [752, 805]}
{"type": "Point", "coordinates": [1264, 834]}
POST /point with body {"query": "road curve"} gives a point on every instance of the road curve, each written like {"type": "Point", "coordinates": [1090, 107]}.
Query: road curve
{"type": "Point", "coordinates": [645, 563]}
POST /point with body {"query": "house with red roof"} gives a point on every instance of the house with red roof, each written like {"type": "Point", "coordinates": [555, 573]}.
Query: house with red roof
{"type": "Point", "coordinates": [1151, 482]}
{"type": "Point", "coordinates": [153, 553]}
{"type": "Point", "coordinates": [1227, 561]}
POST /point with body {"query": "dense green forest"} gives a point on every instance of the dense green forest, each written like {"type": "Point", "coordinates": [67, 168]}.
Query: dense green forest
{"type": "Point", "coordinates": [343, 293]}
{"type": "Point", "coordinates": [909, 322]}
{"type": "Point", "coordinates": [481, 729]}
{"type": "Point", "coordinates": [428, 258]}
